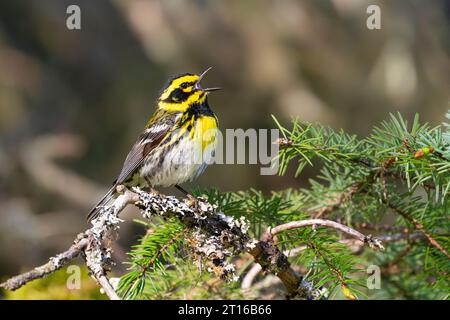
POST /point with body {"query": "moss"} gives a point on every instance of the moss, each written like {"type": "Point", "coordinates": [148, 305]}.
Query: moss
{"type": "Point", "coordinates": [56, 287]}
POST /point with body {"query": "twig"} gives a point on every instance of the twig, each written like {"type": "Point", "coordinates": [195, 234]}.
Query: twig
{"type": "Point", "coordinates": [419, 227]}
{"type": "Point", "coordinates": [54, 264]}
{"type": "Point", "coordinates": [250, 276]}
{"type": "Point", "coordinates": [354, 244]}
{"type": "Point", "coordinates": [347, 293]}
{"type": "Point", "coordinates": [256, 268]}
{"type": "Point", "coordinates": [107, 287]}
{"type": "Point", "coordinates": [153, 259]}
{"type": "Point", "coordinates": [336, 202]}
{"type": "Point", "coordinates": [372, 242]}
{"type": "Point", "coordinates": [91, 243]}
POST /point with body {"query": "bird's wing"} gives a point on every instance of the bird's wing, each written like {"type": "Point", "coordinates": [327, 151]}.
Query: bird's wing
{"type": "Point", "coordinates": [158, 127]}
{"type": "Point", "coordinates": [156, 130]}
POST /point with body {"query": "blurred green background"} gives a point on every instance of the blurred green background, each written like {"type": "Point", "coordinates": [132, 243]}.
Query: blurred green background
{"type": "Point", "coordinates": [73, 101]}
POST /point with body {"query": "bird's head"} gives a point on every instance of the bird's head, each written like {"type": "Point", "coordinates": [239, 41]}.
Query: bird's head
{"type": "Point", "coordinates": [183, 91]}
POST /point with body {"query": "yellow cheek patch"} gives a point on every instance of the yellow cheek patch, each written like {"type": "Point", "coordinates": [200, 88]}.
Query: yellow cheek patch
{"type": "Point", "coordinates": [176, 84]}
{"type": "Point", "coordinates": [197, 97]}
{"type": "Point", "coordinates": [170, 106]}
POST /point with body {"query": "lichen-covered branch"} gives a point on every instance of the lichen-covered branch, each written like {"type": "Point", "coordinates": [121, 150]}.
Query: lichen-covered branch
{"type": "Point", "coordinates": [54, 264]}
{"type": "Point", "coordinates": [217, 237]}
{"type": "Point", "coordinates": [355, 245]}
{"type": "Point", "coordinates": [214, 238]}
{"type": "Point", "coordinates": [93, 245]}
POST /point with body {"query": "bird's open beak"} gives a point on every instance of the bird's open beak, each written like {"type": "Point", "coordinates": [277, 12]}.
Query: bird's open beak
{"type": "Point", "coordinates": [199, 87]}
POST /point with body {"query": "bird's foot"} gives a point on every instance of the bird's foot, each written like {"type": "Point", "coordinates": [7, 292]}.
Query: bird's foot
{"type": "Point", "coordinates": [200, 205]}
{"type": "Point", "coordinates": [192, 201]}
{"type": "Point", "coordinates": [196, 203]}
{"type": "Point", "coordinates": [121, 189]}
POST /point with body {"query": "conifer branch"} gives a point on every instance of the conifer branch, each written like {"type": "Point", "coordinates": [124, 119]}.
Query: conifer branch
{"type": "Point", "coordinates": [361, 185]}
{"type": "Point", "coordinates": [419, 227]}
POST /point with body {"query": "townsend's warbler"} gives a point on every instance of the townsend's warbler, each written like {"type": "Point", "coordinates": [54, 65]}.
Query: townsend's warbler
{"type": "Point", "coordinates": [177, 143]}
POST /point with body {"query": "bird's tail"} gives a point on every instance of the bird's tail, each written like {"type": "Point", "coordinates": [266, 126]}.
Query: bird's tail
{"type": "Point", "coordinates": [96, 210]}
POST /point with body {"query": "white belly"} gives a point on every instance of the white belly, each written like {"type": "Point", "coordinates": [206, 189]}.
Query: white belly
{"type": "Point", "coordinates": [182, 162]}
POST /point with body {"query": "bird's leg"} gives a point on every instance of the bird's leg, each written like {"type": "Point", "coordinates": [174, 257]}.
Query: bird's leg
{"type": "Point", "coordinates": [150, 187]}
{"type": "Point", "coordinates": [193, 200]}
{"type": "Point", "coordinates": [183, 191]}
{"type": "Point", "coordinates": [153, 190]}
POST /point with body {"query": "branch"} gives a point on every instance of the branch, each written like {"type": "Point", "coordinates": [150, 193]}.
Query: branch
{"type": "Point", "coordinates": [217, 238]}
{"type": "Point", "coordinates": [354, 244]}
{"type": "Point", "coordinates": [419, 227]}
{"type": "Point", "coordinates": [372, 242]}
{"type": "Point", "coordinates": [336, 202]}
{"type": "Point", "coordinates": [256, 268]}
{"type": "Point", "coordinates": [93, 244]}
{"type": "Point", "coordinates": [107, 287]}
{"type": "Point", "coordinates": [54, 264]}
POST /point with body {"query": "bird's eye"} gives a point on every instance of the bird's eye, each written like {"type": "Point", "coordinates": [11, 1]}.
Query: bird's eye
{"type": "Point", "coordinates": [184, 85]}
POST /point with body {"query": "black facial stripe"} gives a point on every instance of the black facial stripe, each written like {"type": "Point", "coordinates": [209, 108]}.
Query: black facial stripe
{"type": "Point", "coordinates": [189, 84]}
{"type": "Point", "coordinates": [178, 95]}
{"type": "Point", "coordinates": [171, 79]}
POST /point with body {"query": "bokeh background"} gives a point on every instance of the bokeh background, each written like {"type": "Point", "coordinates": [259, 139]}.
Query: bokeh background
{"type": "Point", "coordinates": [73, 101]}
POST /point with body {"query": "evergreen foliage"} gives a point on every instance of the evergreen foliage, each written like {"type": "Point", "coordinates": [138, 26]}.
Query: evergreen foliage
{"type": "Point", "coordinates": [395, 182]}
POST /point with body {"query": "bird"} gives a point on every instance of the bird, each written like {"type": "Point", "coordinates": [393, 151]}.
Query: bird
{"type": "Point", "coordinates": [177, 143]}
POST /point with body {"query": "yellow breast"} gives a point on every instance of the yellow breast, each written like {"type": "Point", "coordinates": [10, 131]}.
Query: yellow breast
{"type": "Point", "coordinates": [205, 130]}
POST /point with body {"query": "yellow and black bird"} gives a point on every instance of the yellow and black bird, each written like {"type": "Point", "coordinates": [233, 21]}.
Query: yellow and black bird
{"type": "Point", "coordinates": [177, 143]}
